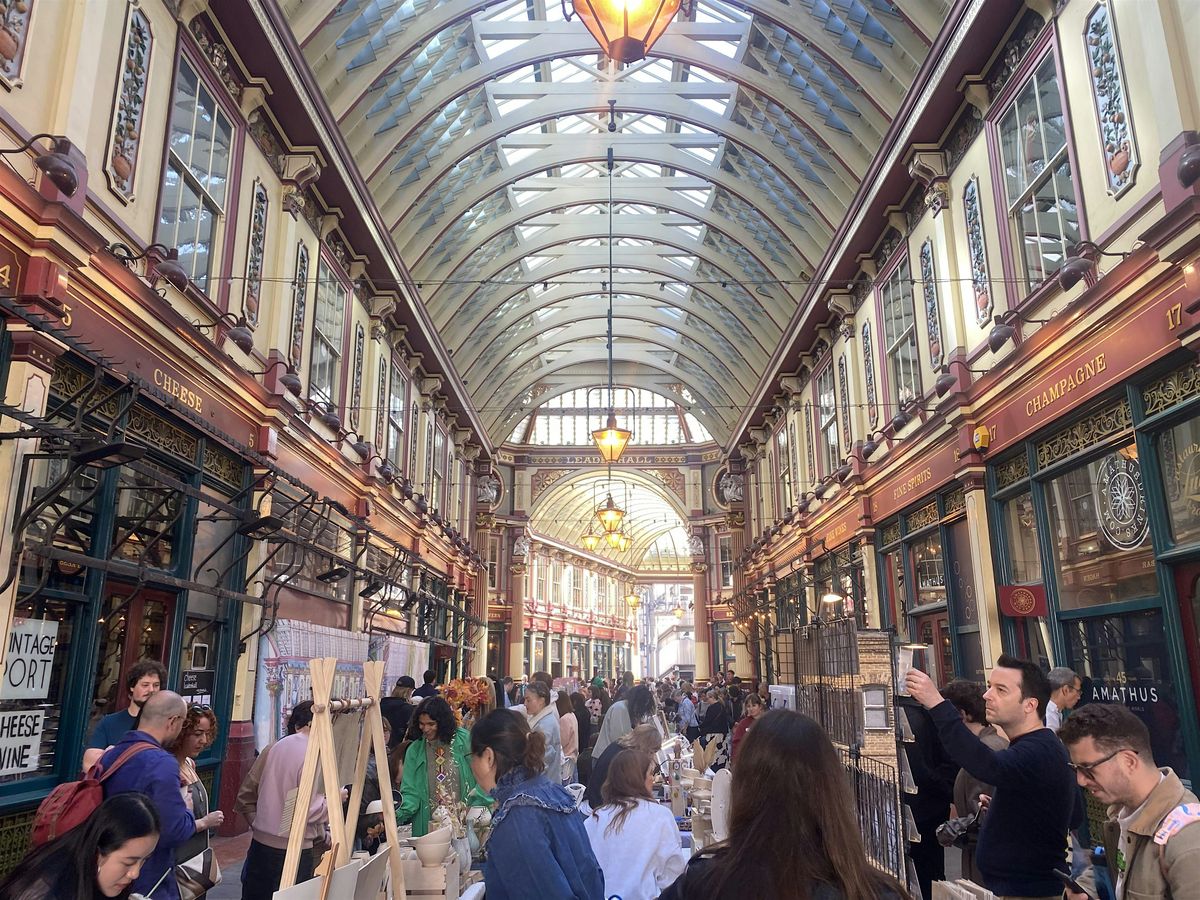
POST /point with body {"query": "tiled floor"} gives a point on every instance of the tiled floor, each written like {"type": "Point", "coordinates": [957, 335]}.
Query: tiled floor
{"type": "Point", "coordinates": [230, 854]}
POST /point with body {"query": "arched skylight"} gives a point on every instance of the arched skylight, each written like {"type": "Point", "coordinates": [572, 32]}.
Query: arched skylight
{"type": "Point", "coordinates": [568, 419]}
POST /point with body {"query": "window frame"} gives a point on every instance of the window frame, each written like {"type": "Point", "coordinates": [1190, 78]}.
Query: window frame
{"type": "Point", "coordinates": [326, 261]}
{"type": "Point", "coordinates": [395, 432]}
{"type": "Point", "coordinates": [1014, 269]}
{"type": "Point", "coordinates": [883, 297]}
{"type": "Point", "coordinates": [225, 224]}
{"type": "Point", "coordinates": [828, 452]}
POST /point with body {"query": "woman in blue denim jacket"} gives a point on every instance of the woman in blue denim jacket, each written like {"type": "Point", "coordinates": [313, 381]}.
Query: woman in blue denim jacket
{"type": "Point", "coordinates": [538, 846]}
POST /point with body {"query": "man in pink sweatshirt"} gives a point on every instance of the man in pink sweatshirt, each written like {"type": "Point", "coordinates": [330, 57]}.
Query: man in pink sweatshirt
{"type": "Point", "coordinates": [269, 789]}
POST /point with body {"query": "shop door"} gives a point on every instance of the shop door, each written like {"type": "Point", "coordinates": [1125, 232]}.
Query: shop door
{"type": "Point", "coordinates": [135, 624]}
{"type": "Point", "coordinates": [1187, 587]}
{"type": "Point", "coordinates": [933, 630]}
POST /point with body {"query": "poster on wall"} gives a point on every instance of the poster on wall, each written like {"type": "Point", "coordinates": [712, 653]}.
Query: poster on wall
{"type": "Point", "coordinates": [29, 659]}
{"type": "Point", "coordinates": [20, 741]}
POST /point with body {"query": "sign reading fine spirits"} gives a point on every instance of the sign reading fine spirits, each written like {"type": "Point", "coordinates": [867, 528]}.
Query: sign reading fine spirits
{"type": "Point", "coordinates": [1023, 600]}
{"type": "Point", "coordinates": [30, 657]}
{"type": "Point", "coordinates": [20, 740]}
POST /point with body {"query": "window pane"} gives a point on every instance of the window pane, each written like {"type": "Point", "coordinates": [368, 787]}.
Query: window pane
{"type": "Point", "coordinates": [1101, 534]}
{"type": "Point", "coordinates": [183, 113]}
{"type": "Point", "coordinates": [1179, 458]}
{"type": "Point", "coordinates": [1020, 526]}
{"type": "Point", "coordinates": [930, 569]}
{"type": "Point", "coordinates": [1123, 659]}
{"type": "Point", "coordinates": [222, 144]}
{"type": "Point", "coordinates": [202, 144]}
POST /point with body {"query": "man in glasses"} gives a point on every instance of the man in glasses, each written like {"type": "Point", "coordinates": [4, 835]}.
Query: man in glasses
{"type": "Point", "coordinates": [1152, 835]}
{"type": "Point", "coordinates": [1065, 691]}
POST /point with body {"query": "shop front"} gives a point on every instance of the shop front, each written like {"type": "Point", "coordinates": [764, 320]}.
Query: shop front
{"type": "Point", "coordinates": [927, 581]}
{"type": "Point", "coordinates": [125, 546]}
{"type": "Point", "coordinates": [1101, 517]}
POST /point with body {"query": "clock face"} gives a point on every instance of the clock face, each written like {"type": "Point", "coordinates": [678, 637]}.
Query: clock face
{"type": "Point", "coordinates": [1121, 502]}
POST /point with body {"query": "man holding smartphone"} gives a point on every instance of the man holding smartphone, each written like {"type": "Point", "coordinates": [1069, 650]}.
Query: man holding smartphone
{"type": "Point", "coordinates": [1152, 835]}
{"type": "Point", "coordinates": [1023, 839]}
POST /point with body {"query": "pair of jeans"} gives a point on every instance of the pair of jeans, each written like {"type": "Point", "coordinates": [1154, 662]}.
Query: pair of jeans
{"type": "Point", "coordinates": [263, 870]}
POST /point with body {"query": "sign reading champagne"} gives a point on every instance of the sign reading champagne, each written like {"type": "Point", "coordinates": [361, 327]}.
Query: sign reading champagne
{"type": "Point", "coordinates": [29, 660]}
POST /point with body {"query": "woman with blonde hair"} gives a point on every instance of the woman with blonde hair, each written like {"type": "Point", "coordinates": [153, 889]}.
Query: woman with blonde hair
{"type": "Point", "coordinates": [636, 840]}
{"type": "Point", "coordinates": [645, 738]}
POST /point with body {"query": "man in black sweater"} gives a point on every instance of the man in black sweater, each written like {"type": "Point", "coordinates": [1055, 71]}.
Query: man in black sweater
{"type": "Point", "coordinates": [1023, 839]}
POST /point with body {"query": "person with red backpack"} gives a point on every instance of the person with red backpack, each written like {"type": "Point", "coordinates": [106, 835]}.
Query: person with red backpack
{"type": "Point", "coordinates": [102, 857]}
{"type": "Point", "coordinates": [155, 772]}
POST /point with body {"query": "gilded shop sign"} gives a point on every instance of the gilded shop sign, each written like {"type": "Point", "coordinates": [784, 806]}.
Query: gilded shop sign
{"type": "Point", "coordinates": [1070, 381]}
{"type": "Point", "coordinates": [175, 388]}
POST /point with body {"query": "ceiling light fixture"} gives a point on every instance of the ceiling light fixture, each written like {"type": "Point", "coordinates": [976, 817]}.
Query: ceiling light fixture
{"type": "Point", "coordinates": [610, 515]}
{"type": "Point", "coordinates": [590, 540]}
{"type": "Point", "coordinates": [611, 439]}
{"type": "Point", "coordinates": [55, 162]}
{"type": "Point", "coordinates": [624, 29]}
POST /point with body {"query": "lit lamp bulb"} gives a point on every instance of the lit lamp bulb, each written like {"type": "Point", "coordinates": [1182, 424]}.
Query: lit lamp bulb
{"type": "Point", "coordinates": [611, 440]}
{"type": "Point", "coordinates": [610, 516]}
{"type": "Point", "coordinates": [591, 540]}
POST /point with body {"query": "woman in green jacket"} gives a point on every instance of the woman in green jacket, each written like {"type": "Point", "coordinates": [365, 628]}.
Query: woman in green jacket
{"type": "Point", "coordinates": [436, 767]}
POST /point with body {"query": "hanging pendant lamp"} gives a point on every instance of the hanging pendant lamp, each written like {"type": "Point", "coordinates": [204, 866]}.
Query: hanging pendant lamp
{"type": "Point", "coordinates": [625, 29]}
{"type": "Point", "coordinates": [611, 439]}
{"type": "Point", "coordinates": [610, 516]}
{"type": "Point", "coordinates": [590, 540]}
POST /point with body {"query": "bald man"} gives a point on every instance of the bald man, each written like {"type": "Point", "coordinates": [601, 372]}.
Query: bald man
{"type": "Point", "coordinates": [152, 771]}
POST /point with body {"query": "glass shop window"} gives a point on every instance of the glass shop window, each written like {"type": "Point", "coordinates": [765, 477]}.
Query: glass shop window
{"type": "Point", "coordinates": [1101, 532]}
{"type": "Point", "coordinates": [1021, 531]}
{"type": "Point", "coordinates": [965, 602]}
{"type": "Point", "coordinates": [1123, 659]}
{"type": "Point", "coordinates": [897, 597]}
{"type": "Point", "coordinates": [148, 514]}
{"type": "Point", "coordinates": [34, 685]}
{"type": "Point", "coordinates": [929, 567]}
{"type": "Point", "coordinates": [1179, 459]}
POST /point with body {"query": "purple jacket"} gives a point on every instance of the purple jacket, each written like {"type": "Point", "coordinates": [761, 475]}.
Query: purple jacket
{"type": "Point", "coordinates": [154, 773]}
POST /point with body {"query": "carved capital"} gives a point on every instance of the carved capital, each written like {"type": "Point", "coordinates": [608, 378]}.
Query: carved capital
{"type": "Point", "coordinates": [699, 568]}
{"type": "Point", "coordinates": [735, 520]}
{"type": "Point", "coordinates": [518, 568]}
{"type": "Point", "coordinates": [485, 521]}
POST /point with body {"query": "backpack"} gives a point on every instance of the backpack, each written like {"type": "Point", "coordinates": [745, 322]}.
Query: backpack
{"type": "Point", "coordinates": [72, 803]}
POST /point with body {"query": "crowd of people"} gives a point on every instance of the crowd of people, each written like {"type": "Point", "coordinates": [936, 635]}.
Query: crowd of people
{"type": "Point", "coordinates": [567, 774]}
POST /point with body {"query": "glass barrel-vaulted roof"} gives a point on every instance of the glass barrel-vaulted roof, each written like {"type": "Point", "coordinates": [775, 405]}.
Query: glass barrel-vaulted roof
{"type": "Point", "coordinates": [482, 131]}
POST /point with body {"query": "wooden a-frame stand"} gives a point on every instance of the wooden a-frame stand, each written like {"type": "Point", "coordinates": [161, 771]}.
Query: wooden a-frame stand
{"type": "Point", "coordinates": [321, 750]}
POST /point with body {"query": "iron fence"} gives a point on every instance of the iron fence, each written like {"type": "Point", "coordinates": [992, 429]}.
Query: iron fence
{"type": "Point", "coordinates": [880, 811]}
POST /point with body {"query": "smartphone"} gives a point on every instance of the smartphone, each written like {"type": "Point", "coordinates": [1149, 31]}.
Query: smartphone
{"type": "Point", "coordinates": [1069, 882]}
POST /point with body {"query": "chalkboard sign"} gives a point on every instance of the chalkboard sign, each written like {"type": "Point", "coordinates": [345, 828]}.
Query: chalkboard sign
{"type": "Point", "coordinates": [196, 685]}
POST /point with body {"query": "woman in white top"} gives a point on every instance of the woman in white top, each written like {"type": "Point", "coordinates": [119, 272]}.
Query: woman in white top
{"type": "Point", "coordinates": [635, 840]}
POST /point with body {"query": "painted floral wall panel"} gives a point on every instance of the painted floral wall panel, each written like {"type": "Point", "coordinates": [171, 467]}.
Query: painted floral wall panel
{"type": "Point", "coordinates": [254, 255]}
{"type": "Point", "coordinates": [869, 376]}
{"type": "Point", "coordinates": [844, 387]}
{"type": "Point", "coordinates": [381, 410]}
{"type": "Point", "coordinates": [1112, 107]}
{"type": "Point", "coordinates": [14, 32]}
{"type": "Point", "coordinates": [126, 135]}
{"type": "Point", "coordinates": [933, 317]}
{"type": "Point", "coordinates": [299, 302]}
{"type": "Point", "coordinates": [977, 249]}
{"type": "Point", "coordinates": [356, 385]}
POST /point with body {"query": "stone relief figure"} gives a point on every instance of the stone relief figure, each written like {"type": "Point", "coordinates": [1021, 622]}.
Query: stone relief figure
{"type": "Point", "coordinates": [521, 545]}
{"type": "Point", "coordinates": [695, 544]}
{"type": "Point", "coordinates": [732, 487]}
{"type": "Point", "coordinates": [487, 490]}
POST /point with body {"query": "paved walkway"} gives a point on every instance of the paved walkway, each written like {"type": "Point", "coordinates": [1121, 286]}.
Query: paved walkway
{"type": "Point", "coordinates": [231, 852]}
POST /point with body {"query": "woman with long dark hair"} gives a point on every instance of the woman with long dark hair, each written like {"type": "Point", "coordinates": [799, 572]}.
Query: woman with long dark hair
{"type": "Point", "coordinates": [625, 715]}
{"type": "Point", "coordinates": [100, 858]}
{"type": "Point", "coordinates": [793, 830]}
{"type": "Point", "coordinates": [714, 734]}
{"type": "Point", "coordinates": [436, 771]}
{"type": "Point", "coordinates": [636, 840]}
{"type": "Point", "coordinates": [538, 846]}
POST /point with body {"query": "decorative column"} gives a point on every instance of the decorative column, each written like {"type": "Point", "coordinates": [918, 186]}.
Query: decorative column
{"type": "Point", "coordinates": [519, 590]}
{"type": "Point", "coordinates": [700, 620]}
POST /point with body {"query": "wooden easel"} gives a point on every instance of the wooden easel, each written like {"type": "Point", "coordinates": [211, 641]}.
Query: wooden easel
{"type": "Point", "coordinates": [321, 751]}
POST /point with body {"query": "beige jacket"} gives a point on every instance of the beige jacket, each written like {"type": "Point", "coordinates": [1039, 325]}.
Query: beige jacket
{"type": "Point", "coordinates": [1147, 861]}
